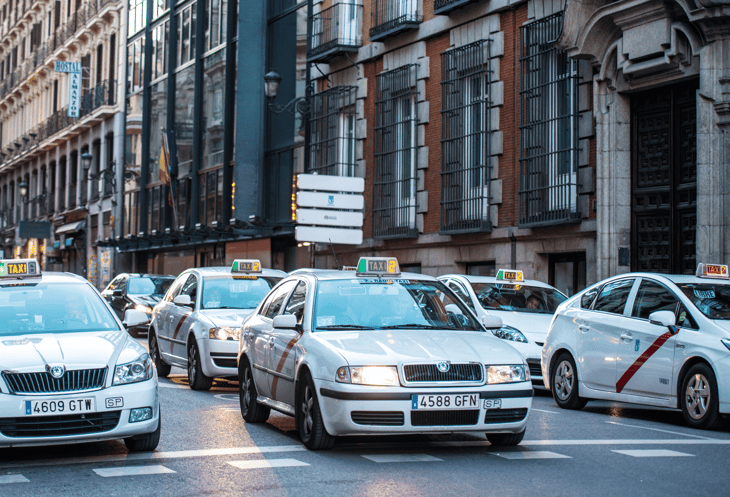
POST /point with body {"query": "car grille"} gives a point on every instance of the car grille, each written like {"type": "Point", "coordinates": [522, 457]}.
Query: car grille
{"type": "Point", "coordinates": [59, 426]}
{"type": "Point", "coordinates": [386, 418]}
{"type": "Point", "coordinates": [505, 415]}
{"type": "Point", "coordinates": [445, 418]}
{"type": "Point", "coordinates": [535, 369]}
{"type": "Point", "coordinates": [429, 373]}
{"type": "Point", "coordinates": [72, 381]}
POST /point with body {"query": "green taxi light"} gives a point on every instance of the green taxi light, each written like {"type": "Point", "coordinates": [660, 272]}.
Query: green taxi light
{"type": "Point", "coordinates": [19, 268]}
{"type": "Point", "coordinates": [510, 274]}
{"type": "Point", "coordinates": [246, 266]}
{"type": "Point", "coordinates": [378, 266]}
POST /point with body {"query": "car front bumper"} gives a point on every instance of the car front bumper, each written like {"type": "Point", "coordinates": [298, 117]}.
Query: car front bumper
{"type": "Point", "coordinates": [360, 410]}
{"type": "Point", "coordinates": [218, 358]}
{"type": "Point", "coordinates": [110, 403]}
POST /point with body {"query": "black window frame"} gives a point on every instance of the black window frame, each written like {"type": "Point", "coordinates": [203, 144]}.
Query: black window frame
{"type": "Point", "coordinates": [332, 139]}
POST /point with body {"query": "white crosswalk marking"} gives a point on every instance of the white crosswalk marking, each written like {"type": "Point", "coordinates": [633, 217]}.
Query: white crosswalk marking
{"type": "Point", "coordinates": [13, 479]}
{"type": "Point", "coordinates": [653, 453]}
{"type": "Point", "coordinates": [537, 454]}
{"type": "Point", "coordinates": [388, 458]}
{"type": "Point", "coordinates": [133, 471]}
{"type": "Point", "coordinates": [267, 463]}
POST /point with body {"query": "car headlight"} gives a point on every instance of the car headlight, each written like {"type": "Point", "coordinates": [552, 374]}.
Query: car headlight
{"type": "Point", "coordinates": [143, 308]}
{"type": "Point", "coordinates": [507, 374]}
{"type": "Point", "coordinates": [225, 333]}
{"type": "Point", "coordinates": [132, 372]}
{"type": "Point", "coordinates": [384, 376]}
{"type": "Point", "coordinates": [509, 333]}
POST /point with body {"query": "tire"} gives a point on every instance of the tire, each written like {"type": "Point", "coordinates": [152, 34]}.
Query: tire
{"type": "Point", "coordinates": [564, 383]}
{"type": "Point", "coordinates": [147, 442]}
{"type": "Point", "coordinates": [196, 378]}
{"type": "Point", "coordinates": [309, 418]}
{"type": "Point", "coordinates": [699, 398]}
{"type": "Point", "coordinates": [163, 369]}
{"type": "Point", "coordinates": [251, 410]}
{"type": "Point", "coordinates": [505, 439]}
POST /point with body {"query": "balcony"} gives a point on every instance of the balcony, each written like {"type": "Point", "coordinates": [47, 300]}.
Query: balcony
{"type": "Point", "coordinates": [335, 30]}
{"type": "Point", "coordinates": [443, 7]}
{"type": "Point", "coordinates": [390, 17]}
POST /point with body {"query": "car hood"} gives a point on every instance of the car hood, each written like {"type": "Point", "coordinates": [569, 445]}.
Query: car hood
{"type": "Point", "coordinates": [395, 347]}
{"type": "Point", "coordinates": [87, 350]}
{"type": "Point", "coordinates": [148, 300]}
{"type": "Point", "coordinates": [533, 326]}
{"type": "Point", "coordinates": [232, 318]}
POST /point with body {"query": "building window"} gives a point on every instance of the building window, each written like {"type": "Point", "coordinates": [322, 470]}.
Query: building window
{"type": "Point", "coordinates": [336, 29]}
{"type": "Point", "coordinates": [332, 132]}
{"type": "Point", "coordinates": [186, 34]}
{"type": "Point", "coordinates": [549, 126]}
{"type": "Point", "coordinates": [394, 211]}
{"type": "Point", "coordinates": [488, 268]}
{"type": "Point", "coordinates": [135, 65]}
{"type": "Point", "coordinates": [465, 151]}
{"type": "Point", "coordinates": [137, 15]}
{"type": "Point", "coordinates": [389, 17]}
{"type": "Point", "coordinates": [215, 24]}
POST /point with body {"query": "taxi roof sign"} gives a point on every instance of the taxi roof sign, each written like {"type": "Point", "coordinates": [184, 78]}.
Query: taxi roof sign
{"type": "Point", "coordinates": [712, 271]}
{"type": "Point", "coordinates": [378, 266]}
{"type": "Point", "coordinates": [510, 274]}
{"type": "Point", "coordinates": [19, 268]}
{"type": "Point", "coordinates": [246, 266]}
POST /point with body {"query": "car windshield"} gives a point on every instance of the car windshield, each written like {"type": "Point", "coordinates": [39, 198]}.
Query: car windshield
{"type": "Point", "coordinates": [520, 298]}
{"type": "Point", "coordinates": [227, 292]}
{"type": "Point", "coordinates": [712, 300]}
{"type": "Point", "coordinates": [31, 308]}
{"type": "Point", "coordinates": [372, 303]}
{"type": "Point", "coordinates": [149, 285]}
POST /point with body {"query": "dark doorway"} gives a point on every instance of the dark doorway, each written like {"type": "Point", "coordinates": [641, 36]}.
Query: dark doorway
{"type": "Point", "coordinates": [567, 272]}
{"type": "Point", "coordinates": [664, 179]}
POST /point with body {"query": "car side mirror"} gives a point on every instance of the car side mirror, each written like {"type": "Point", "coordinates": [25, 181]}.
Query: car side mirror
{"type": "Point", "coordinates": [133, 317]}
{"type": "Point", "coordinates": [182, 300]}
{"type": "Point", "coordinates": [285, 321]}
{"type": "Point", "coordinates": [663, 318]}
{"type": "Point", "coordinates": [491, 322]}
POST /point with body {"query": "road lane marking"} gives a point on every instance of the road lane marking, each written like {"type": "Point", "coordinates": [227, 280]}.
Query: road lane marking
{"type": "Point", "coordinates": [652, 453]}
{"type": "Point", "coordinates": [133, 471]}
{"type": "Point", "coordinates": [223, 396]}
{"type": "Point", "coordinates": [549, 412]}
{"type": "Point", "coordinates": [537, 454]}
{"type": "Point", "coordinates": [171, 385]}
{"type": "Point", "coordinates": [13, 479]}
{"type": "Point", "coordinates": [390, 458]}
{"type": "Point", "coordinates": [662, 431]}
{"type": "Point", "coordinates": [267, 463]}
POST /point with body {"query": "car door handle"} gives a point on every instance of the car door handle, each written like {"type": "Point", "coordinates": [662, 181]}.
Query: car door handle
{"type": "Point", "coordinates": [584, 328]}
{"type": "Point", "coordinates": [272, 340]}
{"type": "Point", "coordinates": [679, 345]}
{"type": "Point", "coordinates": [627, 336]}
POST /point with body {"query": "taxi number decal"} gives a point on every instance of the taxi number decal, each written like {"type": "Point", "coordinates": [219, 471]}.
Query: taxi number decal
{"type": "Point", "coordinates": [644, 357]}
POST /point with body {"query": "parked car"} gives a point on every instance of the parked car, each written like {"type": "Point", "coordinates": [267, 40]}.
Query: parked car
{"type": "Point", "coordinates": [140, 292]}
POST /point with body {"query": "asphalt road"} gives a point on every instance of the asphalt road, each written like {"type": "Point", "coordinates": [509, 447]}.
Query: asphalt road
{"type": "Point", "coordinates": [206, 449]}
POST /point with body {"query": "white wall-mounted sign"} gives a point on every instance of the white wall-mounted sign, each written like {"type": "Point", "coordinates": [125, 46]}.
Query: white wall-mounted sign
{"type": "Point", "coordinates": [326, 217]}
{"type": "Point", "coordinates": [330, 183]}
{"type": "Point", "coordinates": [316, 234]}
{"type": "Point", "coordinates": [326, 200]}
{"type": "Point", "coordinates": [74, 94]}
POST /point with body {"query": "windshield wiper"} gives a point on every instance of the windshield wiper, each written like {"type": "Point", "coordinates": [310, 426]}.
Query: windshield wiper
{"type": "Point", "coordinates": [414, 325]}
{"type": "Point", "coordinates": [344, 327]}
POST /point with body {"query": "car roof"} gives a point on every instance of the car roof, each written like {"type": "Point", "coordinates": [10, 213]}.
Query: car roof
{"type": "Point", "coordinates": [492, 279]}
{"type": "Point", "coordinates": [334, 274]}
{"type": "Point", "coordinates": [226, 270]}
{"type": "Point", "coordinates": [677, 279]}
{"type": "Point", "coordinates": [147, 275]}
{"type": "Point", "coordinates": [47, 277]}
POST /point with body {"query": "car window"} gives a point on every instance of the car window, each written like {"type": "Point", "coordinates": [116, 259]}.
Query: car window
{"type": "Point", "coordinates": [141, 286]}
{"type": "Point", "coordinates": [587, 299]}
{"type": "Point", "coordinates": [711, 299]}
{"type": "Point", "coordinates": [190, 288]}
{"type": "Point", "coordinates": [654, 296]}
{"type": "Point", "coordinates": [461, 293]}
{"type": "Point", "coordinates": [116, 282]}
{"type": "Point", "coordinates": [517, 297]}
{"type": "Point", "coordinates": [175, 288]}
{"type": "Point", "coordinates": [277, 299]}
{"type": "Point", "coordinates": [227, 292]}
{"type": "Point", "coordinates": [296, 302]}
{"type": "Point", "coordinates": [613, 296]}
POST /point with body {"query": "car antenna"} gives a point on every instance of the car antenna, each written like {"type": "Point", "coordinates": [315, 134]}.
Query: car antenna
{"type": "Point", "coordinates": [335, 254]}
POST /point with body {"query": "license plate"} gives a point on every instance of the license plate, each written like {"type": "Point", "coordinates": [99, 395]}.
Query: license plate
{"type": "Point", "coordinates": [54, 407]}
{"type": "Point", "coordinates": [446, 401]}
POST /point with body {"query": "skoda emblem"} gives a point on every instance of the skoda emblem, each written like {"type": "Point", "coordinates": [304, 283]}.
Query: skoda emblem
{"type": "Point", "coordinates": [56, 371]}
{"type": "Point", "coordinates": [443, 366]}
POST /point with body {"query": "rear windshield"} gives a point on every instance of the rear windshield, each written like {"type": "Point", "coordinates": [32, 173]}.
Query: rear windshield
{"type": "Point", "coordinates": [520, 298]}
{"type": "Point", "coordinates": [29, 308]}
{"type": "Point", "coordinates": [712, 300]}
{"type": "Point", "coordinates": [227, 292]}
{"type": "Point", "coordinates": [149, 285]}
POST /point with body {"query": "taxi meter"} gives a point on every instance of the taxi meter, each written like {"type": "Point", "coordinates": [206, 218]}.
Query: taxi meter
{"type": "Point", "coordinates": [712, 271]}
{"type": "Point", "coordinates": [244, 268]}
{"type": "Point", "coordinates": [510, 275]}
{"type": "Point", "coordinates": [19, 268]}
{"type": "Point", "coordinates": [378, 266]}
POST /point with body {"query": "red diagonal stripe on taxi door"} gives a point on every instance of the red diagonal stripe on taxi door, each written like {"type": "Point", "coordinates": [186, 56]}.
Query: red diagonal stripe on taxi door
{"type": "Point", "coordinates": [643, 358]}
{"type": "Point", "coordinates": [275, 381]}
{"type": "Point", "coordinates": [177, 329]}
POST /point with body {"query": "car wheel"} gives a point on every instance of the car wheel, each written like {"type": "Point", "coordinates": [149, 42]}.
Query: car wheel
{"type": "Point", "coordinates": [309, 418]}
{"type": "Point", "coordinates": [196, 378]}
{"type": "Point", "coordinates": [505, 439]}
{"type": "Point", "coordinates": [699, 398]}
{"type": "Point", "coordinates": [565, 383]}
{"type": "Point", "coordinates": [163, 369]}
{"type": "Point", "coordinates": [251, 410]}
{"type": "Point", "coordinates": [147, 442]}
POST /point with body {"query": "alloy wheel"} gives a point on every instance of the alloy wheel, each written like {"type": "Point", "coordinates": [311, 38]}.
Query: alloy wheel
{"type": "Point", "coordinates": [697, 396]}
{"type": "Point", "coordinates": [564, 380]}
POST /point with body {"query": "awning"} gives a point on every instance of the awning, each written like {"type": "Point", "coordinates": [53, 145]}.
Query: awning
{"type": "Point", "coordinates": [71, 227]}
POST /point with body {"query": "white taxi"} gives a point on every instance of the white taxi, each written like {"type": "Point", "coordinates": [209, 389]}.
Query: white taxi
{"type": "Point", "coordinates": [375, 351]}
{"type": "Point", "coordinates": [525, 307]}
{"type": "Point", "coordinates": [198, 322]}
{"type": "Point", "coordinates": [645, 338]}
{"type": "Point", "coordinates": [69, 371]}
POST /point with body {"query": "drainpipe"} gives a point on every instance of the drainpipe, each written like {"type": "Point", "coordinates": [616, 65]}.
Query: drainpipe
{"type": "Point", "coordinates": [513, 254]}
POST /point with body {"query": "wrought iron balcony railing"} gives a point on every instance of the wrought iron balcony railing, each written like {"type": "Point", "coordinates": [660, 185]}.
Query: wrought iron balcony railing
{"type": "Point", "coordinates": [445, 6]}
{"type": "Point", "coordinates": [390, 17]}
{"type": "Point", "coordinates": [335, 30]}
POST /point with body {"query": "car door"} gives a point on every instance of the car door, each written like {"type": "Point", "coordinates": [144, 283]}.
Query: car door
{"type": "Point", "coordinates": [645, 358]}
{"type": "Point", "coordinates": [598, 331]}
{"type": "Point", "coordinates": [161, 314]}
{"type": "Point", "coordinates": [180, 320]}
{"type": "Point", "coordinates": [283, 350]}
{"type": "Point", "coordinates": [116, 297]}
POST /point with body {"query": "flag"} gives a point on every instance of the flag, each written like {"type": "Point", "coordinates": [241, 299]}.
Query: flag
{"type": "Point", "coordinates": [164, 160]}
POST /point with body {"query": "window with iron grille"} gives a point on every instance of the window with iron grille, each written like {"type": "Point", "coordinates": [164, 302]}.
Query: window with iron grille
{"type": "Point", "coordinates": [394, 211]}
{"type": "Point", "coordinates": [548, 127]}
{"type": "Point", "coordinates": [465, 150]}
{"type": "Point", "coordinates": [332, 131]}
